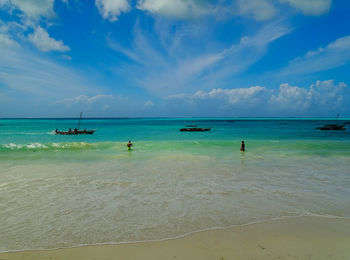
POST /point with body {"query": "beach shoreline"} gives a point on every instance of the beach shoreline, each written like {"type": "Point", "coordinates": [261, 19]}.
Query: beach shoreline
{"type": "Point", "coordinates": [307, 237]}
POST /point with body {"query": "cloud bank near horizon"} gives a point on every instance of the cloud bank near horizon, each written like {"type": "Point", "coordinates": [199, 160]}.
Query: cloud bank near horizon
{"type": "Point", "coordinates": [320, 98]}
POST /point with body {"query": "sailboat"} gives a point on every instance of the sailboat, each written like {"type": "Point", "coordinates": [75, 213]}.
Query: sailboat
{"type": "Point", "coordinates": [76, 131]}
{"type": "Point", "coordinates": [334, 126]}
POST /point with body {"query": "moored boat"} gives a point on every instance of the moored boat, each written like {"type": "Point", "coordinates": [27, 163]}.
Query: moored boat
{"type": "Point", "coordinates": [332, 127]}
{"type": "Point", "coordinates": [194, 129]}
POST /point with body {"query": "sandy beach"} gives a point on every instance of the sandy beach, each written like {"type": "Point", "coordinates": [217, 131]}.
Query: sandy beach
{"type": "Point", "coordinates": [294, 238]}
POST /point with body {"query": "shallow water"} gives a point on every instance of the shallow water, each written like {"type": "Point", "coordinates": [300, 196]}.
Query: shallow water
{"type": "Point", "coordinates": [61, 191]}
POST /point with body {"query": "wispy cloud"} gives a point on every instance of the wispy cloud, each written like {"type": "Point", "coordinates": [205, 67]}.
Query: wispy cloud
{"type": "Point", "coordinates": [105, 105]}
{"type": "Point", "coordinates": [34, 9]}
{"type": "Point", "coordinates": [84, 99]}
{"type": "Point", "coordinates": [335, 54]}
{"type": "Point", "coordinates": [169, 63]}
{"type": "Point", "coordinates": [37, 77]}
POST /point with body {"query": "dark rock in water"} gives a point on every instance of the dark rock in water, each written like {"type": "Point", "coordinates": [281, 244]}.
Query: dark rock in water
{"type": "Point", "coordinates": [347, 123]}
{"type": "Point", "coordinates": [332, 127]}
{"type": "Point", "coordinates": [194, 129]}
{"type": "Point", "coordinates": [191, 126]}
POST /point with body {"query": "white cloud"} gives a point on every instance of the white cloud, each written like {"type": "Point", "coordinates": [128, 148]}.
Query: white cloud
{"type": "Point", "coordinates": [42, 40]}
{"type": "Point", "coordinates": [328, 94]}
{"type": "Point", "coordinates": [111, 9]}
{"type": "Point", "coordinates": [66, 57]}
{"type": "Point", "coordinates": [224, 98]}
{"type": "Point", "coordinates": [291, 98]}
{"type": "Point", "coordinates": [335, 54]}
{"type": "Point", "coordinates": [310, 7]}
{"type": "Point", "coordinates": [5, 38]}
{"type": "Point", "coordinates": [176, 8]}
{"type": "Point", "coordinates": [321, 98]}
{"type": "Point", "coordinates": [31, 12]}
{"type": "Point", "coordinates": [237, 96]}
{"type": "Point", "coordinates": [190, 9]}
{"type": "Point", "coordinates": [258, 9]}
{"type": "Point", "coordinates": [148, 105]}
{"type": "Point", "coordinates": [101, 105]}
{"type": "Point", "coordinates": [33, 9]}
{"type": "Point", "coordinates": [84, 99]}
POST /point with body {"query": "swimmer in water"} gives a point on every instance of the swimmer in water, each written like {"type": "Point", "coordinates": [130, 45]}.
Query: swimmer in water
{"type": "Point", "coordinates": [129, 144]}
{"type": "Point", "coordinates": [242, 146]}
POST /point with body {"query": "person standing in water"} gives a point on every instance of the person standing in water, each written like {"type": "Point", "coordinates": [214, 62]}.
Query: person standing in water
{"type": "Point", "coordinates": [129, 144]}
{"type": "Point", "coordinates": [242, 146]}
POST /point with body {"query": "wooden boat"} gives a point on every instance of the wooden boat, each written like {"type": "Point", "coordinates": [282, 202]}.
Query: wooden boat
{"type": "Point", "coordinates": [76, 131]}
{"type": "Point", "coordinates": [194, 129]}
{"type": "Point", "coordinates": [332, 127]}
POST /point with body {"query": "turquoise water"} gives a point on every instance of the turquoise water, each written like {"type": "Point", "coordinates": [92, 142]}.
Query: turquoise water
{"type": "Point", "coordinates": [62, 191]}
{"type": "Point", "coordinates": [39, 130]}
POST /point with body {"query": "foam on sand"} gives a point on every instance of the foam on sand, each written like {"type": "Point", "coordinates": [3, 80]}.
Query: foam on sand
{"type": "Point", "coordinates": [305, 237]}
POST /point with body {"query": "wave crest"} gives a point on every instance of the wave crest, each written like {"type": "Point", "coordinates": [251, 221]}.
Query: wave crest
{"type": "Point", "coordinates": [48, 146]}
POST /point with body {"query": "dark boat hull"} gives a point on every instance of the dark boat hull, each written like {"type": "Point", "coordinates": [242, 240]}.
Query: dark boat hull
{"type": "Point", "coordinates": [194, 129]}
{"type": "Point", "coordinates": [79, 132]}
{"type": "Point", "coordinates": [332, 127]}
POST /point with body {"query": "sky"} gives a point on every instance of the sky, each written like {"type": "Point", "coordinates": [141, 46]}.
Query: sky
{"type": "Point", "coordinates": [174, 58]}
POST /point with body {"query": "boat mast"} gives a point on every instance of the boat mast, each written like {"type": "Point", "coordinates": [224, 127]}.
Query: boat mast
{"type": "Point", "coordinates": [80, 120]}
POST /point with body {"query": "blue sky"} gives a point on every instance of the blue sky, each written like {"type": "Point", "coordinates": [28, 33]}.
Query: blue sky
{"type": "Point", "coordinates": [174, 58]}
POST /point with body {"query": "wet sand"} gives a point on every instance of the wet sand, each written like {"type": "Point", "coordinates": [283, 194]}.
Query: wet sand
{"type": "Point", "coordinates": [306, 237]}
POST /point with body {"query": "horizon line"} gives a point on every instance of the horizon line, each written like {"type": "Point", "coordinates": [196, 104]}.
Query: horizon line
{"type": "Point", "coordinates": [184, 117]}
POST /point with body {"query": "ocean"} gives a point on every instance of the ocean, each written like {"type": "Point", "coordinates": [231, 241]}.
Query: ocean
{"type": "Point", "coordinates": [65, 191]}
